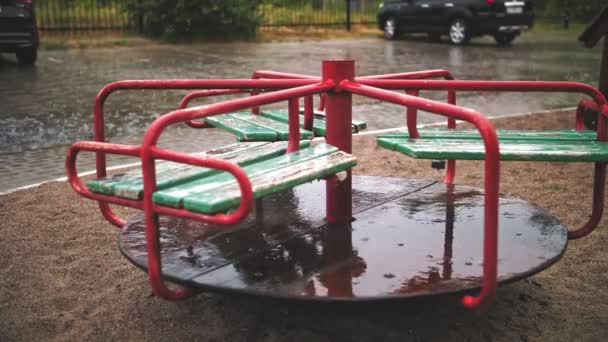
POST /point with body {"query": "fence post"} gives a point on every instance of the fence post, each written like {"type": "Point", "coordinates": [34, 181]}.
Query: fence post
{"type": "Point", "coordinates": [348, 15]}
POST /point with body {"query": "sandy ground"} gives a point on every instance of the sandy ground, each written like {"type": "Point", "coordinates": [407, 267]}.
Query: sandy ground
{"type": "Point", "coordinates": [63, 278]}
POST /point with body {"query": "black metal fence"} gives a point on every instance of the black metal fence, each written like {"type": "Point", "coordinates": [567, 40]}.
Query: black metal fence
{"type": "Point", "coordinates": [318, 12]}
{"type": "Point", "coordinates": [82, 15]}
{"type": "Point", "coordinates": [91, 15]}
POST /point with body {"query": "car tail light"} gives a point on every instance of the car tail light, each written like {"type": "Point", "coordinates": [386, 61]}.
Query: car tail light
{"type": "Point", "coordinates": [490, 1]}
{"type": "Point", "coordinates": [27, 2]}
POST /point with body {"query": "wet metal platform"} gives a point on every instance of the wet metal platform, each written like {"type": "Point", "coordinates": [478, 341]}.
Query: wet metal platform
{"type": "Point", "coordinates": [409, 238]}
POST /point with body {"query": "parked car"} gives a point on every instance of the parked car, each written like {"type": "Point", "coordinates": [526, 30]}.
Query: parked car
{"type": "Point", "coordinates": [18, 32]}
{"type": "Point", "coordinates": [460, 20]}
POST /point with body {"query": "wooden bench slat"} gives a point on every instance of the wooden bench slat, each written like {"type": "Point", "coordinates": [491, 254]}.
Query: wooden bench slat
{"type": "Point", "coordinates": [245, 130]}
{"type": "Point", "coordinates": [281, 128]}
{"type": "Point", "coordinates": [250, 127]}
{"type": "Point", "coordinates": [318, 125]}
{"type": "Point", "coordinates": [513, 150]}
{"type": "Point", "coordinates": [228, 197]}
{"type": "Point", "coordinates": [503, 134]}
{"type": "Point", "coordinates": [296, 168]}
{"type": "Point", "coordinates": [130, 184]}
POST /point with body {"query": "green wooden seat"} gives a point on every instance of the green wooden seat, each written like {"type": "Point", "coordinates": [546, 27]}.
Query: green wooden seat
{"type": "Point", "coordinates": [205, 190]}
{"type": "Point", "coordinates": [513, 150]}
{"type": "Point", "coordinates": [250, 127]}
{"type": "Point", "coordinates": [130, 184]}
{"type": "Point", "coordinates": [503, 134]}
{"type": "Point", "coordinates": [220, 192]}
{"type": "Point", "coordinates": [318, 124]}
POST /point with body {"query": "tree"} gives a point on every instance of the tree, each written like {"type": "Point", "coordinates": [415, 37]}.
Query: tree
{"type": "Point", "coordinates": [175, 20]}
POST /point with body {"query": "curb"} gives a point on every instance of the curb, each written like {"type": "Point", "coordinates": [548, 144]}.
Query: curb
{"type": "Point", "coordinates": [376, 132]}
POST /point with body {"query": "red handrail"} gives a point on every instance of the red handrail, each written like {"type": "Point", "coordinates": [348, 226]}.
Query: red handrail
{"type": "Point", "coordinates": [149, 153]}
{"type": "Point", "coordinates": [491, 179]}
{"type": "Point", "coordinates": [104, 93]}
{"type": "Point", "coordinates": [205, 93]}
{"type": "Point", "coordinates": [412, 114]}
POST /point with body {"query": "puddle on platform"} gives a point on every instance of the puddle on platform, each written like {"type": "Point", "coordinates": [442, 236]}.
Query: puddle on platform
{"type": "Point", "coordinates": [425, 241]}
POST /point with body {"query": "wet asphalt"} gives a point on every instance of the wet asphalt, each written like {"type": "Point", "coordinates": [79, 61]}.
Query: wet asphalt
{"type": "Point", "coordinates": [46, 108]}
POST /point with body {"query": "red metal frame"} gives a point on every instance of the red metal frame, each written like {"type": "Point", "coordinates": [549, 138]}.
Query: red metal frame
{"type": "Point", "coordinates": [412, 113]}
{"type": "Point", "coordinates": [491, 179]}
{"type": "Point", "coordinates": [523, 86]}
{"type": "Point", "coordinates": [104, 93]}
{"type": "Point", "coordinates": [336, 87]}
{"type": "Point", "coordinates": [205, 93]}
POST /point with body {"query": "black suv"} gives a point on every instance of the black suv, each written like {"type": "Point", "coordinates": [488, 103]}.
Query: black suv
{"type": "Point", "coordinates": [18, 33]}
{"type": "Point", "coordinates": [459, 19]}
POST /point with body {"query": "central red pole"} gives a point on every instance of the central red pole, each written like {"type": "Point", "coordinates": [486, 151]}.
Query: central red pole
{"type": "Point", "coordinates": [338, 111]}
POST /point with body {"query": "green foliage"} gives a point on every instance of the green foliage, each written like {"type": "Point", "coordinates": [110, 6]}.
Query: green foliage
{"type": "Point", "coordinates": [179, 20]}
{"type": "Point", "coordinates": [577, 9]}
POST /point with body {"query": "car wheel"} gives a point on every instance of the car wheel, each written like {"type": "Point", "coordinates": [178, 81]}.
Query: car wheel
{"type": "Point", "coordinates": [390, 28]}
{"type": "Point", "coordinates": [27, 56]}
{"type": "Point", "coordinates": [458, 32]}
{"type": "Point", "coordinates": [504, 39]}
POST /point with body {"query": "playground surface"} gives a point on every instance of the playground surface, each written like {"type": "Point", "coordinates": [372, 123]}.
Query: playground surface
{"type": "Point", "coordinates": [65, 279]}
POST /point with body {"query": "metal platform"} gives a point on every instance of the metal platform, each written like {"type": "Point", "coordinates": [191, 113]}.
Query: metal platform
{"type": "Point", "coordinates": [409, 238]}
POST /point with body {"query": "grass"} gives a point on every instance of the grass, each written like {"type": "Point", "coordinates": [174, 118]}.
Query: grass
{"type": "Point", "coordinates": [546, 25]}
{"type": "Point", "coordinates": [555, 187]}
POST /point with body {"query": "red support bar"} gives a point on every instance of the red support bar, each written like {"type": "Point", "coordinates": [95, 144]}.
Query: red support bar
{"type": "Point", "coordinates": [94, 146]}
{"type": "Point", "coordinates": [412, 116]}
{"type": "Point", "coordinates": [260, 74]}
{"type": "Point", "coordinates": [491, 179]}
{"type": "Point", "coordinates": [412, 119]}
{"type": "Point", "coordinates": [308, 113]}
{"type": "Point", "coordinates": [459, 85]}
{"type": "Point", "coordinates": [205, 93]}
{"type": "Point", "coordinates": [436, 73]}
{"type": "Point", "coordinates": [597, 210]}
{"type": "Point", "coordinates": [583, 106]}
{"type": "Point", "coordinates": [599, 184]}
{"type": "Point", "coordinates": [450, 172]}
{"type": "Point", "coordinates": [282, 75]}
{"type": "Point", "coordinates": [338, 116]}
{"type": "Point", "coordinates": [322, 102]}
{"type": "Point", "coordinates": [515, 86]}
{"type": "Point", "coordinates": [294, 125]}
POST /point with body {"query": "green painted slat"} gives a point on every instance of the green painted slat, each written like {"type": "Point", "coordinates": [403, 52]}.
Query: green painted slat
{"type": "Point", "coordinates": [281, 128]}
{"type": "Point", "coordinates": [245, 130]}
{"type": "Point", "coordinates": [174, 196]}
{"type": "Point", "coordinates": [503, 134]}
{"type": "Point", "coordinates": [512, 150]}
{"type": "Point", "coordinates": [130, 184]}
{"type": "Point", "coordinates": [272, 181]}
{"type": "Point", "coordinates": [318, 124]}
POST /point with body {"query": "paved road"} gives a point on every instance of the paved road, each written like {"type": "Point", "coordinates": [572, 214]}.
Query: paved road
{"type": "Point", "coordinates": [44, 109]}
